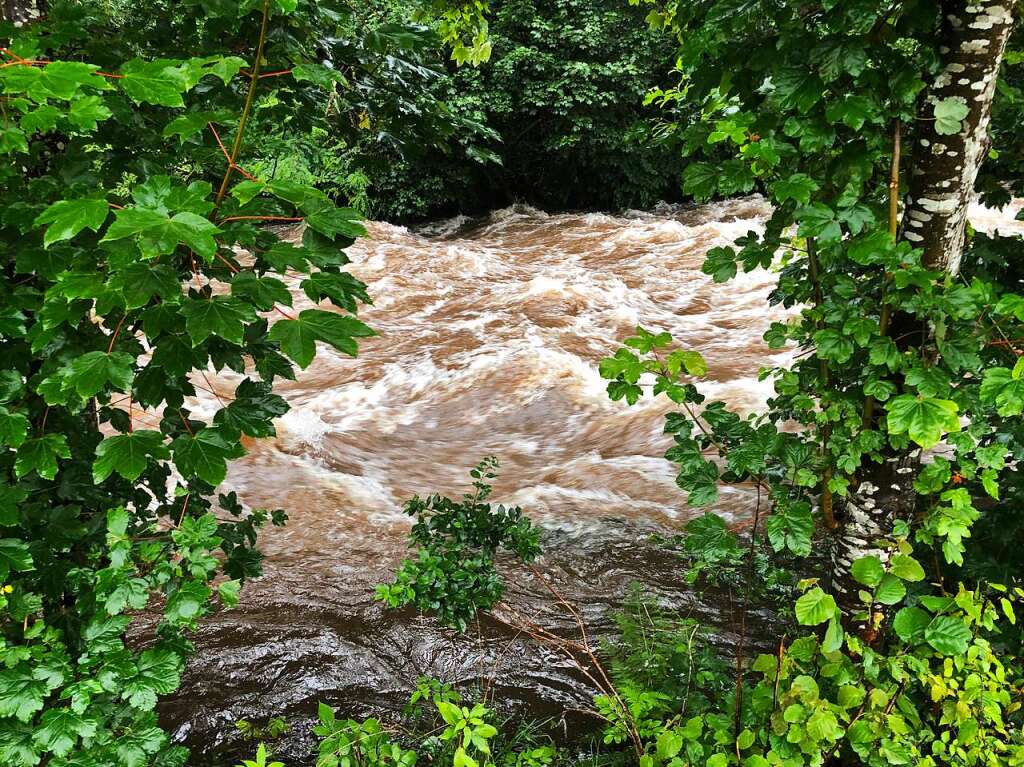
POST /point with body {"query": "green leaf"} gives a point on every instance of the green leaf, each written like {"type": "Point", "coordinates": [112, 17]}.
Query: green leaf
{"type": "Point", "coordinates": [159, 234]}
{"type": "Point", "coordinates": [341, 288]}
{"type": "Point", "coordinates": [204, 454]}
{"type": "Point", "coordinates": [128, 454]}
{"type": "Point", "coordinates": [910, 623]}
{"type": "Point", "coordinates": [700, 180]}
{"type": "Point", "coordinates": [815, 607]}
{"type": "Point", "coordinates": [138, 282]}
{"type": "Point", "coordinates": [59, 730]}
{"type": "Point", "coordinates": [66, 218]}
{"type": "Point", "coordinates": [891, 590]}
{"type": "Point", "coordinates": [1001, 388]}
{"type": "Point", "coordinates": [692, 362]}
{"type": "Point", "coordinates": [720, 263]}
{"type": "Point", "coordinates": [906, 567]}
{"type": "Point", "coordinates": [330, 221]}
{"type": "Point", "coordinates": [798, 88]}
{"type": "Point", "coordinates": [158, 672]}
{"type": "Point", "coordinates": [798, 187]}
{"type": "Point", "coordinates": [40, 455]}
{"type": "Point", "coordinates": [298, 336]}
{"type": "Point", "coordinates": [13, 428]}
{"type": "Point", "coordinates": [187, 125]}
{"type": "Point", "coordinates": [923, 419]}
{"type": "Point", "coordinates": [948, 115]}
{"type": "Point", "coordinates": [834, 346]}
{"type": "Point", "coordinates": [790, 527]}
{"type": "Point", "coordinates": [948, 635]}
{"type": "Point", "coordinates": [220, 316]}
{"type": "Point", "coordinates": [22, 693]}
{"type": "Point", "coordinates": [94, 371]}
{"type": "Point", "coordinates": [188, 601]}
{"type": "Point", "coordinates": [868, 571]}
{"type": "Point", "coordinates": [14, 557]}
{"type": "Point", "coordinates": [229, 591]}
{"type": "Point", "coordinates": [161, 82]}
{"type": "Point", "coordinates": [87, 111]}
{"type": "Point", "coordinates": [263, 292]}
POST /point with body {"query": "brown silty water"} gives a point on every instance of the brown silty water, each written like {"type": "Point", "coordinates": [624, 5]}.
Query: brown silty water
{"type": "Point", "coordinates": [490, 335]}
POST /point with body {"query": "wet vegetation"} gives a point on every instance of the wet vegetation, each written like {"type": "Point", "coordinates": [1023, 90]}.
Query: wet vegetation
{"type": "Point", "coordinates": [868, 600]}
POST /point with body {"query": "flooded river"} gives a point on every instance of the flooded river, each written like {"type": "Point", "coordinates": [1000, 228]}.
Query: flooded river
{"type": "Point", "coordinates": [490, 334]}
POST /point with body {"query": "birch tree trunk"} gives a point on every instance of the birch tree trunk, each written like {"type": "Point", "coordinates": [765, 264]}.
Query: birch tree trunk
{"type": "Point", "coordinates": [23, 11]}
{"type": "Point", "coordinates": [943, 170]}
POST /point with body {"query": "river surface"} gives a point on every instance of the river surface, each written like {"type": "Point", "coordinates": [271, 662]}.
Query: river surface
{"type": "Point", "coordinates": [490, 334]}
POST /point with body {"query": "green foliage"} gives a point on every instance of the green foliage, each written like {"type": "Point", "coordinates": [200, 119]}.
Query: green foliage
{"type": "Point", "coordinates": [136, 257]}
{"type": "Point", "coordinates": [562, 101]}
{"type": "Point", "coordinates": [453, 573]}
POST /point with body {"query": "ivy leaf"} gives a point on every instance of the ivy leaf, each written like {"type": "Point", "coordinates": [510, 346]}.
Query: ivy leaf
{"type": "Point", "coordinates": [220, 316]}
{"type": "Point", "coordinates": [204, 454]}
{"type": "Point", "coordinates": [94, 371]}
{"type": "Point", "coordinates": [948, 115]}
{"type": "Point", "coordinates": [815, 607]}
{"type": "Point", "coordinates": [791, 528]}
{"type": "Point", "coordinates": [66, 218]}
{"type": "Point", "coordinates": [948, 635]}
{"type": "Point", "coordinates": [923, 419]}
{"type": "Point", "coordinates": [298, 337]}
{"type": "Point", "coordinates": [40, 455]}
{"type": "Point", "coordinates": [128, 454]}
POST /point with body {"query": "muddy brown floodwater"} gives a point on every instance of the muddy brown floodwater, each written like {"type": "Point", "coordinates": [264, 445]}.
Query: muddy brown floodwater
{"type": "Point", "coordinates": [490, 334]}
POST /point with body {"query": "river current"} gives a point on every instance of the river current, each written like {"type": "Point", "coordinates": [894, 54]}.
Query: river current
{"type": "Point", "coordinates": [490, 334]}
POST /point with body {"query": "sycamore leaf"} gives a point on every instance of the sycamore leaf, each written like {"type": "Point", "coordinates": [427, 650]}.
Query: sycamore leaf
{"type": "Point", "coordinates": [40, 455]}
{"type": "Point", "coordinates": [220, 316]}
{"type": "Point", "coordinates": [159, 234]}
{"type": "Point", "coordinates": [139, 281]}
{"type": "Point", "coordinates": [94, 371]}
{"type": "Point", "coordinates": [128, 454]}
{"type": "Point", "coordinates": [923, 419]}
{"type": "Point", "coordinates": [66, 218]}
{"type": "Point", "coordinates": [160, 82]}
{"type": "Point", "coordinates": [298, 337]}
{"type": "Point", "coordinates": [204, 454]}
{"type": "Point", "coordinates": [797, 187]}
{"type": "Point", "coordinates": [14, 557]}
{"type": "Point", "coordinates": [264, 292]}
{"type": "Point", "coordinates": [87, 111]}
{"type": "Point", "coordinates": [341, 288]}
